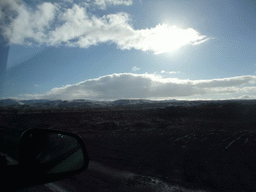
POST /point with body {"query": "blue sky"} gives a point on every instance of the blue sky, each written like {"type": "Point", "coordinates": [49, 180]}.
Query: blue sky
{"type": "Point", "coordinates": [114, 49]}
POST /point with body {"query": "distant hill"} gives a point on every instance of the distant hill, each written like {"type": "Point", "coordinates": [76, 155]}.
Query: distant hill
{"type": "Point", "coordinates": [82, 103]}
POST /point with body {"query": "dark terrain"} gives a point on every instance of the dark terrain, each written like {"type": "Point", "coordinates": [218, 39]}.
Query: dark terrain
{"type": "Point", "coordinates": [211, 146]}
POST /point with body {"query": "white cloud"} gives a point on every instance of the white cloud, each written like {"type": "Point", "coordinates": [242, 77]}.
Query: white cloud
{"type": "Point", "coordinates": [128, 85]}
{"type": "Point", "coordinates": [102, 4]}
{"type": "Point", "coordinates": [170, 72]}
{"type": "Point", "coordinates": [164, 38]}
{"type": "Point", "coordinates": [246, 97]}
{"type": "Point", "coordinates": [55, 24]}
{"type": "Point", "coordinates": [227, 82]}
{"type": "Point", "coordinates": [173, 72]}
{"type": "Point", "coordinates": [29, 25]}
{"type": "Point", "coordinates": [135, 68]}
{"type": "Point", "coordinates": [69, 1]}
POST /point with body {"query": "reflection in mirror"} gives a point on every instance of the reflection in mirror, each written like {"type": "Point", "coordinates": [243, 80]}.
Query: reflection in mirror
{"type": "Point", "coordinates": [54, 152]}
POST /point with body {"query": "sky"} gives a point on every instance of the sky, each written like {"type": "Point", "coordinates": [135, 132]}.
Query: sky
{"type": "Point", "coordinates": [128, 49]}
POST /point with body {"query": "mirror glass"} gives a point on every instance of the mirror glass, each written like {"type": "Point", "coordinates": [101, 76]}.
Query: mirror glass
{"type": "Point", "coordinates": [53, 152]}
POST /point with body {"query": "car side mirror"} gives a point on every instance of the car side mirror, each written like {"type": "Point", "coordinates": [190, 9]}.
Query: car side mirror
{"type": "Point", "coordinates": [50, 155]}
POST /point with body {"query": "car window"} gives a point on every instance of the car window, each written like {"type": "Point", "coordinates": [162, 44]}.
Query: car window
{"type": "Point", "coordinates": [162, 92]}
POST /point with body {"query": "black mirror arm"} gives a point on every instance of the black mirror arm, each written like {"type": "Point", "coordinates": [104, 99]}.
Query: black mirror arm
{"type": "Point", "coordinates": [13, 177]}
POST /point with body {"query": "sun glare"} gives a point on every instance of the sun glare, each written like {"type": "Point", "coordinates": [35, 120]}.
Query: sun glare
{"type": "Point", "coordinates": [164, 38]}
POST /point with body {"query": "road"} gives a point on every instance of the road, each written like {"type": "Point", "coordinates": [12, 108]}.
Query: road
{"type": "Point", "coordinates": [99, 177]}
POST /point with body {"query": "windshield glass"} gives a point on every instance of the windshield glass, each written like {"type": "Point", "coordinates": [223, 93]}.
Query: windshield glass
{"type": "Point", "coordinates": [155, 88]}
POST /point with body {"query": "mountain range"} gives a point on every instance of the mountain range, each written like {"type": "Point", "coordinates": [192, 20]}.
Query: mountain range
{"type": "Point", "coordinates": [82, 103]}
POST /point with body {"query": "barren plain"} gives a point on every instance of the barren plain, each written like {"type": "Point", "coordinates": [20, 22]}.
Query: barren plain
{"type": "Point", "coordinates": [210, 147]}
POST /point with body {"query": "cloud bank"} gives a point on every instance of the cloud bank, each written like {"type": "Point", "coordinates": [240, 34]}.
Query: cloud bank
{"type": "Point", "coordinates": [76, 25]}
{"type": "Point", "coordinates": [150, 86]}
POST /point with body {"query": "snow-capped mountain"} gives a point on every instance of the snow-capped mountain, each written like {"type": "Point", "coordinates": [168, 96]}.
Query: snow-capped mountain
{"type": "Point", "coordinates": [82, 103]}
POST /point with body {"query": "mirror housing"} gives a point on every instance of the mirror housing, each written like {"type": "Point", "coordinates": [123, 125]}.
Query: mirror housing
{"type": "Point", "coordinates": [47, 156]}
